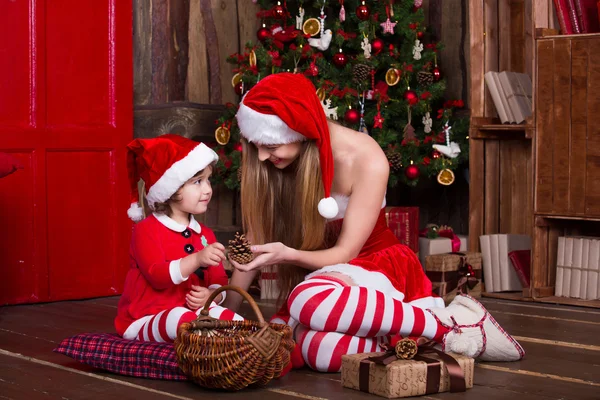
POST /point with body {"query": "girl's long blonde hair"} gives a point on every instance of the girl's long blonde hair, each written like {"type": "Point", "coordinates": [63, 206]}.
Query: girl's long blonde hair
{"type": "Point", "coordinates": [280, 205]}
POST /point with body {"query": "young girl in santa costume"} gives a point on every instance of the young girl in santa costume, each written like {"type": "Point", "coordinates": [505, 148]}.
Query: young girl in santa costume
{"type": "Point", "coordinates": [162, 290]}
{"type": "Point", "coordinates": [313, 203]}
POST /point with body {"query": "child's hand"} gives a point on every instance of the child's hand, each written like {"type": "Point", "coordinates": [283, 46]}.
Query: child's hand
{"type": "Point", "coordinates": [211, 255]}
{"type": "Point", "coordinates": [197, 297]}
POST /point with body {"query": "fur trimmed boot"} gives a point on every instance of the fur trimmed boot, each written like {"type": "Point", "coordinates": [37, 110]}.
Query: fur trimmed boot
{"type": "Point", "coordinates": [475, 333]}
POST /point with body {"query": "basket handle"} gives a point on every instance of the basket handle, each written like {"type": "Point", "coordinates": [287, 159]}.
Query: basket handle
{"type": "Point", "coordinates": [243, 293]}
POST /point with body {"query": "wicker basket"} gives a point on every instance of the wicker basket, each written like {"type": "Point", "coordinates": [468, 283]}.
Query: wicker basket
{"type": "Point", "coordinates": [232, 355]}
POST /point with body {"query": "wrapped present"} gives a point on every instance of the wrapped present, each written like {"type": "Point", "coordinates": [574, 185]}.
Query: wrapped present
{"type": "Point", "coordinates": [404, 222]}
{"type": "Point", "coordinates": [389, 375]}
{"type": "Point", "coordinates": [436, 239]}
{"type": "Point", "coordinates": [454, 273]}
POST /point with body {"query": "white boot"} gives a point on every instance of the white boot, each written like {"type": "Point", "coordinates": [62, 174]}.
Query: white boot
{"type": "Point", "coordinates": [475, 333]}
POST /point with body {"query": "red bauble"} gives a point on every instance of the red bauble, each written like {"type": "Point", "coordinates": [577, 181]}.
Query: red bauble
{"type": "Point", "coordinates": [436, 154]}
{"type": "Point", "coordinates": [239, 88]}
{"type": "Point", "coordinates": [411, 96]}
{"type": "Point", "coordinates": [420, 35]}
{"type": "Point", "coordinates": [278, 11]}
{"type": "Point", "coordinates": [362, 12]}
{"type": "Point", "coordinates": [437, 74]}
{"type": "Point", "coordinates": [377, 46]}
{"type": "Point", "coordinates": [352, 116]}
{"type": "Point", "coordinates": [340, 59]}
{"type": "Point", "coordinates": [237, 147]}
{"type": "Point", "coordinates": [411, 172]}
{"type": "Point", "coordinates": [263, 34]}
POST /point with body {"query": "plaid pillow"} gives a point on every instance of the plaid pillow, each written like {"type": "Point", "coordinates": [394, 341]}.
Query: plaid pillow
{"type": "Point", "coordinates": [126, 357]}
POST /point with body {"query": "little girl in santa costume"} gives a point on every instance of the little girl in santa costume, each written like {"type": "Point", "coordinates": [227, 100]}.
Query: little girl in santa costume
{"type": "Point", "coordinates": [162, 288]}
{"type": "Point", "coordinates": [348, 283]}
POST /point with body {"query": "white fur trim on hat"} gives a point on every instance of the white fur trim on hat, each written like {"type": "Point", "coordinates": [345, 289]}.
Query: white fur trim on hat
{"type": "Point", "coordinates": [179, 173]}
{"type": "Point", "coordinates": [265, 128]}
{"type": "Point", "coordinates": [328, 207]}
{"type": "Point", "coordinates": [135, 212]}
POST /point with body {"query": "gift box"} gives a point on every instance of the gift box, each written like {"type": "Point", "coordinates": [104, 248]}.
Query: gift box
{"type": "Point", "coordinates": [441, 245]}
{"type": "Point", "coordinates": [404, 222]}
{"type": "Point", "coordinates": [431, 371]}
{"type": "Point", "coordinates": [454, 273]}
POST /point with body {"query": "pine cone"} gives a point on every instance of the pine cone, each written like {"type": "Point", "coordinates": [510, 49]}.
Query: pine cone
{"type": "Point", "coordinates": [425, 78]}
{"type": "Point", "coordinates": [239, 249]}
{"type": "Point", "coordinates": [239, 174]}
{"type": "Point", "coordinates": [361, 73]}
{"type": "Point", "coordinates": [406, 349]}
{"type": "Point", "coordinates": [395, 160]}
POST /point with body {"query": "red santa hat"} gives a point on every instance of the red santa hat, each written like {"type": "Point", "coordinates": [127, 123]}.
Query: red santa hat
{"type": "Point", "coordinates": [284, 108]}
{"type": "Point", "coordinates": [165, 163]}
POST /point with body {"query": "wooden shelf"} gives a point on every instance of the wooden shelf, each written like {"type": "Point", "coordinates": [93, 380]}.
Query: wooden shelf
{"type": "Point", "coordinates": [492, 128]}
{"type": "Point", "coordinates": [516, 296]}
{"type": "Point", "coordinates": [569, 217]}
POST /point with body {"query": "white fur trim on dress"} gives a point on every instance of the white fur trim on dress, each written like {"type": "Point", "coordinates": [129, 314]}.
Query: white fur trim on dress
{"type": "Point", "coordinates": [179, 173]}
{"type": "Point", "coordinates": [342, 203]}
{"type": "Point", "coordinates": [175, 272]}
{"type": "Point", "coordinates": [265, 128]}
{"type": "Point", "coordinates": [362, 277]}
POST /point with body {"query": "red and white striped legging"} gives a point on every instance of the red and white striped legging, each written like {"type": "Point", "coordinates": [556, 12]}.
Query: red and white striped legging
{"type": "Point", "coordinates": [338, 319]}
{"type": "Point", "coordinates": [163, 326]}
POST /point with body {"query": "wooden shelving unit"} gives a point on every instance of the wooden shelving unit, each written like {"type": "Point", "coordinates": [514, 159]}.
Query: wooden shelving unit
{"type": "Point", "coordinates": [538, 178]}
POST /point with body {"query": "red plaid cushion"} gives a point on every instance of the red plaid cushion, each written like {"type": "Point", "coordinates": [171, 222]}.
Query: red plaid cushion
{"type": "Point", "coordinates": [126, 357]}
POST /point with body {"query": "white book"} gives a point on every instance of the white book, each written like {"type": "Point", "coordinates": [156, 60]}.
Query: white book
{"type": "Point", "coordinates": [585, 265]}
{"type": "Point", "coordinates": [512, 96]}
{"type": "Point", "coordinates": [503, 98]}
{"type": "Point", "coordinates": [507, 243]}
{"type": "Point", "coordinates": [568, 263]}
{"type": "Point", "coordinates": [497, 280]}
{"type": "Point", "coordinates": [576, 266]}
{"type": "Point", "coordinates": [560, 262]}
{"type": "Point", "coordinates": [495, 93]}
{"type": "Point", "coordinates": [486, 258]}
{"type": "Point", "coordinates": [593, 272]}
{"type": "Point", "coordinates": [525, 84]}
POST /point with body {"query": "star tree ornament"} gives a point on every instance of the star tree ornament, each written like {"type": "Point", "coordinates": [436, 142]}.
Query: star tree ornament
{"type": "Point", "coordinates": [417, 49]}
{"type": "Point", "coordinates": [388, 25]}
{"type": "Point", "coordinates": [378, 120]}
{"type": "Point", "coordinates": [427, 122]}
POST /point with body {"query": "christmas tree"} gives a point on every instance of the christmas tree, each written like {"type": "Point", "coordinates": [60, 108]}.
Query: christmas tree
{"type": "Point", "coordinates": [375, 70]}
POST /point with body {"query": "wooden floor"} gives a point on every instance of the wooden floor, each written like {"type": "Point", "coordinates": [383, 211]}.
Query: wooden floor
{"type": "Point", "coordinates": [562, 362]}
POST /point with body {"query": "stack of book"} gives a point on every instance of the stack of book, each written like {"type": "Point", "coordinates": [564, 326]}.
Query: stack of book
{"type": "Point", "coordinates": [577, 16]}
{"type": "Point", "coordinates": [500, 273]}
{"type": "Point", "coordinates": [512, 95]}
{"type": "Point", "coordinates": [577, 267]}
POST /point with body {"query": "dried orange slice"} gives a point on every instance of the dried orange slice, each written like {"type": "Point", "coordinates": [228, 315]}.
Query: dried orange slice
{"type": "Point", "coordinates": [222, 135]}
{"type": "Point", "coordinates": [311, 27]}
{"type": "Point", "coordinates": [236, 79]}
{"type": "Point", "coordinates": [252, 59]}
{"type": "Point", "coordinates": [445, 177]}
{"type": "Point", "coordinates": [392, 76]}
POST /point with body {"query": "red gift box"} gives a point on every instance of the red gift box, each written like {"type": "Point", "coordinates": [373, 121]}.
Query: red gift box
{"type": "Point", "coordinates": [404, 222]}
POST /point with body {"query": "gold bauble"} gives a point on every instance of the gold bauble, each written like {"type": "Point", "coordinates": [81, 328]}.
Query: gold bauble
{"type": "Point", "coordinates": [222, 135]}
{"type": "Point", "coordinates": [311, 27]}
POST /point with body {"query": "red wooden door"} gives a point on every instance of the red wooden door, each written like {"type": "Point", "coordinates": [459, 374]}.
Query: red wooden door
{"type": "Point", "coordinates": [66, 112]}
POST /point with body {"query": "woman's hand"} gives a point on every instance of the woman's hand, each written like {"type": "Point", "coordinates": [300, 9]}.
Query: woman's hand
{"type": "Point", "coordinates": [266, 254]}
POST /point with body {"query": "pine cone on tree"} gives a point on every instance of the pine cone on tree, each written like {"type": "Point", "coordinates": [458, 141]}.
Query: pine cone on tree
{"type": "Point", "coordinates": [239, 249]}
{"type": "Point", "coordinates": [239, 174]}
{"type": "Point", "coordinates": [361, 73]}
{"type": "Point", "coordinates": [395, 160]}
{"type": "Point", "coordinates": [425, 78]}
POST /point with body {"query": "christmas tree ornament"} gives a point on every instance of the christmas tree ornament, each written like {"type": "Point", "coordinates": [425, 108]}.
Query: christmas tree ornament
{"type": "Point", "coordinates": [362, 12]}
{"type": "Point", "coordinates": [278, 11]}
{"type": "Point", "coordinates": [377, 45]}
{"type": "Point", "coordinates": [222, 135]}
{"type": "Point", "coordinates": [236, 79]}
{"type": "Point", "coordinates": [436, 154]}
{"type": "Point", "coordinates": [340, 59]}
{"type": "Point", "coordinates": [394, 159]}
{"type": "Point", "coordinates": [252, 59]}
{"type": "Point", "coordinates": [322, 17]}
{"type": "Point", "coordinates": [311, 27]}
{"type": "Point", "coordinates": [330, 112]}
{"type": "Point", "coordinates": [446, 177]}
{"type": "Point", "coordinates": [392, 76]}
{"type": "Point", "coordinates": [418, 4]}
{"type": "Point", "coordinates": [263, 33]}
{"type": "Point", "coordinates": [342, 12]}
{"type": "Point", "coordinates": [352, 116]}
{"type": "Point", "coordinates": [411, 96]}
{"type": "Point", "coordinates": [450, 149]}
{"type": "Point", "coordinates": [378, 120]}
{"type": "Point", "coordinates": [366, 46]}
{"type": "Point", "coordinates": [388, 25]}
{"type": "Point", "coordinates": [238, 147]}
{"type": "Point", "coordinates": [427, 122]}
{"type": "Point", "coordinates": [321, 93]}
{"type": "Point", "coordinates": [361, 73]}
{"type": "Point", "coordinates": [239, 88]}
{"type": "Point", "coordinates": [239, 249]}
{"type": "Point", "coordinates": [362, 127]}
{"type": "Point", "coordinates": [239, 174]}
{"type": "Point", "coordinates": [323, 42]}
{"type": "Point", "coordinates": [437, 73]}
{"type": "Point", "coordinates": [300, 18]}
{"type": "Point", "coordinates": [420, 35]}
{"type": "Point", "coordinates": [424, 78]}
{"type": "Point", "coordinates": [417, 49]}
{"type": "Point", "coordinates": [411, 172]}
